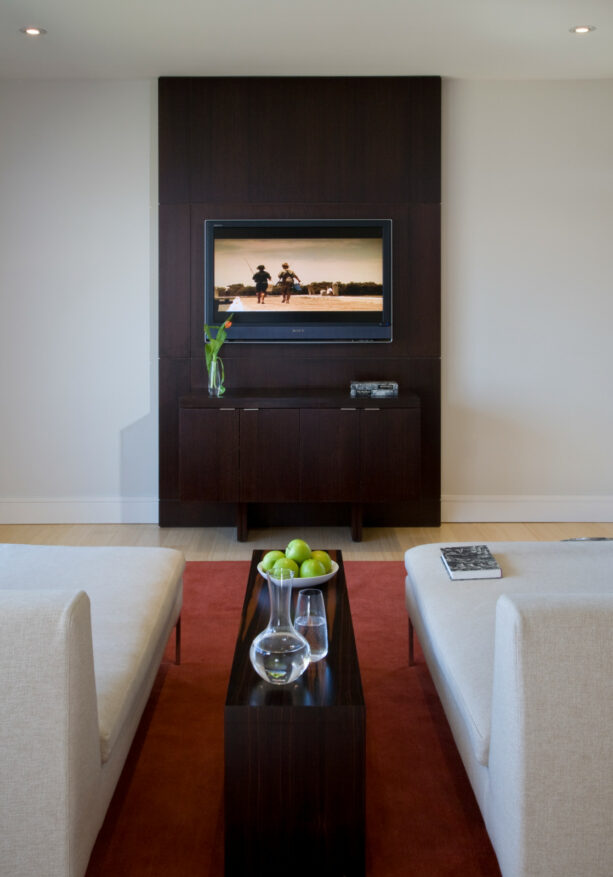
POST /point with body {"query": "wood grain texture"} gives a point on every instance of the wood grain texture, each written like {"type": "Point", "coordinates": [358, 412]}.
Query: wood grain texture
{"type": "Point", "coordinates": [300, 147]}
{"type": "Point", "coordinates": [329, 455]}
{"type": "Point", "coordinates": [173, 141]}
{"type": "Point", "coordinates": [390, 454]}
{"type": "Point", "coordinates": [301, 139]}
{"type": "Point", "coordinates": [209, 454]}
{"type": "Point", "coordinates": [318, 447]}
{"type": "Point", "coordinates": [295, 755]}
{"type": "Point", "coordinates": [174, 258]}
{"type": "Point", "coordinates": [173, 383]}
{"type": "Point", "coordinates": [269, 460]}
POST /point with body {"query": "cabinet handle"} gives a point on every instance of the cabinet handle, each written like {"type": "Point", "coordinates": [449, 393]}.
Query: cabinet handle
{"type": "Point", "coordinates": [372, 409]}
{"type": "Point", "coordinates": [227, 409]}
{"type": "Point", "coordinates": [251, 409]}
{"type": "Point", "coordinates": [347, 409]}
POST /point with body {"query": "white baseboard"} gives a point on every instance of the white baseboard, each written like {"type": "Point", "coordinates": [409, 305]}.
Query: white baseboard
{"type": "Point", "coordinates": [581, 509]}
{"type": "Point", "coordinates": [69, 510]}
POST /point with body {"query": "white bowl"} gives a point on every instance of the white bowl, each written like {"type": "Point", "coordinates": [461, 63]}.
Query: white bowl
{"type": "Point", "coordinates": [311, 582]}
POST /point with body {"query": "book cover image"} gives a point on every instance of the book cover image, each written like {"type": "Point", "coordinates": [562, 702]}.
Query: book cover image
{"type": "Point", "coordinates": [470, 562]}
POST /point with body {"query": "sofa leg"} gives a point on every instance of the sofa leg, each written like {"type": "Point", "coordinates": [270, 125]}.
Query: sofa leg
{"type": "Point", "coordinates": [178, 641]}
{"type": "Point", "coordinates": [411, 653]}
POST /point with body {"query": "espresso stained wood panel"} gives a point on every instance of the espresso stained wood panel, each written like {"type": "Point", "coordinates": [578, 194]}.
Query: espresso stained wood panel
{"type": "Point", "coordinates": [386, 110]}
{"type": "Point", "coordinates": [418, 303]}
{"type": "Point", "coordinates": [390, 454]}
{"type": "Point", "coordinates": [295, 163]}
{"type": "Point", "coordinates": [320, 147]}
{"type": "Point", "coordinates": [295, 754]}
{"type": "Point", "coordinates": [269, 442]}
{"type": "Point", "coordinates": [329, 455]}
{"type": "Point", "coordinates": [425, 139]}
{"type": "Point", "coordinates": [309, 139]}
{"type": "Point", "coordinates": [209, 455]}
{"type": "Point", "coordinates": [174, 380]}
{"type": "Point", "coordinates": [221, 138]}
{"type": "Point", "coordinates": [173, 141]}
{"type": "Point", "coordinates": [175, 286]}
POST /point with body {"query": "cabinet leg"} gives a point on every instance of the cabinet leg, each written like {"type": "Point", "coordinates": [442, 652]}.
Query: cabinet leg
{"type": "Point", "coordinates": [411, 645]}
{"type": "Point", "coordinates": [241, 521]}
{"type": "Point", "coordinates": [178, 641]}
{"type": "Point", "coordinates": [356, 521]}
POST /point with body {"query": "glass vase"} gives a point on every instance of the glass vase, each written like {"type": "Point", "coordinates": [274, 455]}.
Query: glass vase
{"type": "Point", "coordinates": [216, 377]}
{"type": "Point", "coordinates": [280, 654]}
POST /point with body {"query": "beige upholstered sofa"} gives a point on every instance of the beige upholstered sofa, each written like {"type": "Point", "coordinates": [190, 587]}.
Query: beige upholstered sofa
{"type": "Point", "coordinates": [524, 669]}
{"type": "Point", "coordinates": [82, 633]}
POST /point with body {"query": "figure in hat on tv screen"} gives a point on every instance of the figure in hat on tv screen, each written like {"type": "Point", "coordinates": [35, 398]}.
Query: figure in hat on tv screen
{"type": "Point", "coordinates": [287, 279]}
{"type": "Point", "coordinates": [261, 278]}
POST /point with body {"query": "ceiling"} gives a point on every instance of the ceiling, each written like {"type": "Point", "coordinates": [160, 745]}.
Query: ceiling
{"type": "Point", "coordinates": [474, 39]}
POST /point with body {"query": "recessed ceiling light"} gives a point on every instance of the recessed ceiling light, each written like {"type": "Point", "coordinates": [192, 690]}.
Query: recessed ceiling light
{"type": "Point", "coordinates": [582, 29]}
{"type": "Point", "coordinates": [33, 31]}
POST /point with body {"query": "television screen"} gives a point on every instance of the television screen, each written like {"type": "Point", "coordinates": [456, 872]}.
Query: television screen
{"type": "Point", "coordinates": [321, 280]}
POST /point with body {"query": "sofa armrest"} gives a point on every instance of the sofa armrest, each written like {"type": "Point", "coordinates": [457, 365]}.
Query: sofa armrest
{"type": "Point", "coordinates": [49, 736]}
{"type": "Point", "coordinates": [551, 752]}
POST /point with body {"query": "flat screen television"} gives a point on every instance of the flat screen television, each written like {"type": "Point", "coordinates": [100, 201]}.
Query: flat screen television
{"type": "Point", "coordinates": [299, 279]}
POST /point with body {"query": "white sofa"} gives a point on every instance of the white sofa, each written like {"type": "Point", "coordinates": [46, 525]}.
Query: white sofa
{"type": "Point", "coordinates": [523, 666]}
{"type": "Point", "coordinates": [82, 633]}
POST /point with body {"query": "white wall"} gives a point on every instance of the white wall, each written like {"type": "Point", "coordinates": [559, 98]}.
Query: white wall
{"type": "Point", "coordinates": [528, 300]}
{"type": "Point", "coordinates": [78, 297]}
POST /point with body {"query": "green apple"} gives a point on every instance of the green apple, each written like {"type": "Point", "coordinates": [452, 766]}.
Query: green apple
{"type": "Point", "coordinates": [324, 557]}
{"type": "Point", "coordinates": [298, 550]}
{"type": "Point", "coordinates": [311, 567]}
{"type": "Point", "coordinates": [268, 561]}
{"type": "Point", "coordinates": [281, 564]}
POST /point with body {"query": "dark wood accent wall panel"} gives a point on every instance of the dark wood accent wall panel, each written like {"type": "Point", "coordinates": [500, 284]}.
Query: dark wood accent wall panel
{"type": "Point", "coordinates": [175, 279]}
{"type": "Point", "coordinates": [264, 140]}
{"type": "Point", "coordinates": [301, 147]}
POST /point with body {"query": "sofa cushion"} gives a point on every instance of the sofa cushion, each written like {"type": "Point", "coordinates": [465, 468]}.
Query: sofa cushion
{"type": "Point", "coordinates": [459, 616]}
{"type": "Point", "coordinates": [133, 592]}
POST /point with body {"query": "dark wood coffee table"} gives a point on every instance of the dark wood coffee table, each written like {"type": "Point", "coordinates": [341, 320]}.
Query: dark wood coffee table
{"type": "Point", "coordinates": [295, 754]}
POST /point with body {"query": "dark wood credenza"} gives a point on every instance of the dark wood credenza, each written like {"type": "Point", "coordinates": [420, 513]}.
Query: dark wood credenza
{"type": "Point", "coordinates": [319, 446]}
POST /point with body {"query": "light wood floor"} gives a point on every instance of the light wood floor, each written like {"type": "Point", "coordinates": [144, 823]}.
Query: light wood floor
{"type": "Point", "coordinates": [219, 543]}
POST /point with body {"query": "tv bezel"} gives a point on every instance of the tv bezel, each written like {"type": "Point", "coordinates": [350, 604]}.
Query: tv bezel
{"type": "Point", "coordinates": [295, 326]}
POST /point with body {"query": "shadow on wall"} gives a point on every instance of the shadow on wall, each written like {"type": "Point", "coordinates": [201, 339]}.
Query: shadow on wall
{"type": "Point", "coordinates": [138, 471]}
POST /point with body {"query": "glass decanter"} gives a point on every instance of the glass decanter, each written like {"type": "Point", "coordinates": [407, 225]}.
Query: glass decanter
{"type": "Point", "coordinates": [280, 654]}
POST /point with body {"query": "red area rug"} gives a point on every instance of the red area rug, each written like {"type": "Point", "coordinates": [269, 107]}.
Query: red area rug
{"type": "Point", "coordinates": [166, 818]}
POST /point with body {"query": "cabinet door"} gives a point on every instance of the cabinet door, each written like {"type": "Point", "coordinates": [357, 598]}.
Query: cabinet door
{"type": "Point", "coordinates": [269, 449]}
{"type": "Point", "coordinates": [208, 454]}
{"type": "Point", "coordinates": [329, 447]}
{"type": "Point", "coordinates": [389, 454]}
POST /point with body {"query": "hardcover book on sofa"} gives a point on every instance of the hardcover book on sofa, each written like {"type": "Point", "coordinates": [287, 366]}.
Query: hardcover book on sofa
{"type": "Point", "coordinates": [470, 562]}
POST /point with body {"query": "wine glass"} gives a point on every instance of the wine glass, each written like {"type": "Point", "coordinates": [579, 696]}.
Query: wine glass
{"type": "Point", "coordinates": [311, 622]}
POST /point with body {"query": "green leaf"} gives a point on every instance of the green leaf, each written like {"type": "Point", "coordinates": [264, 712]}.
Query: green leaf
{"type": "Point", "coordinates": [213, 343]}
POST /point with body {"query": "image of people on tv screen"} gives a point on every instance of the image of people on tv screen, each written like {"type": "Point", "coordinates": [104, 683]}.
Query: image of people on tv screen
{"type": "Point", "coordinates": [262, 278]}
{"type": "Point", "coordinates": [289, 281]}
{"type": "Point", "coordinates": [341, 274]}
